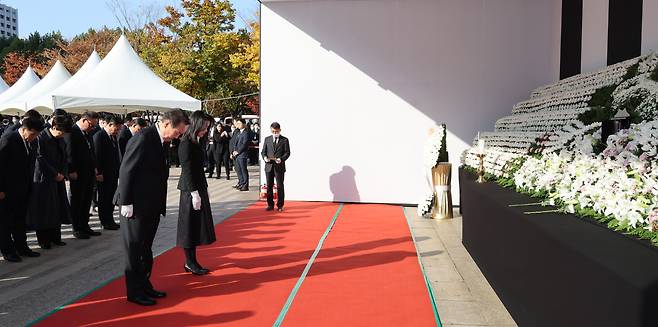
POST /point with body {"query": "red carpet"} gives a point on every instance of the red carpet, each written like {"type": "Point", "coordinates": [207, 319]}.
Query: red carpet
{"type": "Point", "coordinates": [256, 261]}
{"type": "Point", "coordinates": [367, 274]}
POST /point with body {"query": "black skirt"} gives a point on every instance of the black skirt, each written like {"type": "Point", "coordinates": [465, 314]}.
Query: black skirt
{"type": "Point", "coordinates": [48, 206]}
{"type": "Point", "coordinates": [195, 227]}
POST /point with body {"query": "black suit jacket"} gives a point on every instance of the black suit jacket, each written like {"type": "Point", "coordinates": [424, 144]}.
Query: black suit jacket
{"type": "Point", "coordinates": [51, 157]}
{"type": "Point", "coordinates": [281, 150]}
{"type": "Point", "coordinates": [107, 155]}
{"type": "Point", "coordinates": [221, 142]}
{"type": "Point", "coordinates": [233, 140]}
{"type": "Point", "coordinates": [16, 170]}
{"type": "Point", "coordinates": [80, 153]}
{"type": "Point", "coordinates": [192, 176]}
{"type": "Point", "coordinates": [124, 136]}
{"type": "Point", "coordinates": [242, 142]}
{"type": "Point", "coordinates": [143, 174]}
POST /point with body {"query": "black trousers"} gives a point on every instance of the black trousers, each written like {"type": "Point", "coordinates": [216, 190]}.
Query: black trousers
{"type": "Point", "coordinates": [13, 236]}
{"type": "Point", "coordinates": [106, 190]}
{"type": "Point", "coordinates": [208, 159]}
{"type": "Point", "coordinates": [47, 236]}
{"type": "Point", "coordinates": [221, 156]}
{"type": "Point", "coordinates": [270, 176]}
{"type": "Point", "coordinates": [81, 196]}
{"type": "Point", "coordinates": [138, 234]}
{"type": "Point", "coordinates": [241, 169]}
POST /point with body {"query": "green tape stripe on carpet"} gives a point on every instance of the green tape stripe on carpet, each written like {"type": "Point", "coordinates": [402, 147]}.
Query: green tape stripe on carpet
{"type": "Point", "coordinates": [427, 280]}
{"type": "Point", "coordinates": [293, 293]}
{"type": "Point", "coordinates": [105, 283]}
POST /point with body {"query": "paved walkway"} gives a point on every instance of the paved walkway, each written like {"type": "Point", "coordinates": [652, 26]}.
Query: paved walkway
{"type": "Point", "coordinates": [35, 287]}
{"type": "Point", "coordinates": [464, 297]}
{"type": "Point", "coordinates": [31, 289]}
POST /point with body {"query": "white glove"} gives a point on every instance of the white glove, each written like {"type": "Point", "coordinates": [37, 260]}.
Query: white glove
{"type": "Point", "coordinates": [127, 211]}
{"type": "Point", "coordinates": [267, 159]}
{"type": "Point", "coordinates": [196, 200]}
{"type": "Point", "coordinates": [278, 160]}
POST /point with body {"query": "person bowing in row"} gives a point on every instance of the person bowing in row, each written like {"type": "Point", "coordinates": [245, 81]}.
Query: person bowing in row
{"type": "Point", "coordinates": [195, 223]}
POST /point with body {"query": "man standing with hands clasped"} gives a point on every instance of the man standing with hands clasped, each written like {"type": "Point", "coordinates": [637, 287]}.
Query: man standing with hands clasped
{"type": "Point", "coordinates": [142, 195]}
{"type": "Point", "coordinates": [276, 151]}
{"type": "Point", "coordinates": [240, 155]}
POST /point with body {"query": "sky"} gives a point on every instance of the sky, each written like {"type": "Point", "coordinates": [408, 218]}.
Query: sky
{"type": "Point", "coordinates": [72, 17]}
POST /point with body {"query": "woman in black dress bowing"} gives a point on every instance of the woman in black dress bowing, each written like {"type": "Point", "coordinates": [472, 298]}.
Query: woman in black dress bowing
{"type": "Point", "coordinates": [195, 223]}
{"type": "Point", "coordinates": [49, 206]}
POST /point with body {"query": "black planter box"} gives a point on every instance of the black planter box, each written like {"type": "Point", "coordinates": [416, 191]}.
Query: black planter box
{"type": "Point", "coordinates": [557, 269]}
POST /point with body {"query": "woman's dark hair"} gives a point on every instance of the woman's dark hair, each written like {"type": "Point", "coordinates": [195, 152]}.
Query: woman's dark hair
{"type": "Point", "coordinates": [198, 120]}
{"type": "Point", "coordinates": [113, 119]}
{"type": "Point", "coordinates": [140, 122]}
{"type": "Point", "coordinates": [62, 123]}
{"type": "Point", "coordinates": [33, 123]}
{"type": "Point", "coordinates": [32, 113]}
{"type": "Point", "coordinates": [59, 112]}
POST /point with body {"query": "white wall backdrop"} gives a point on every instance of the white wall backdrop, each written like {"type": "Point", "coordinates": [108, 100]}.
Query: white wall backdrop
{"type": "Point", "coordinates": [649, 26]}
{"type": "Point", "coordinates": [594, 53]}
{"type": "Point", "coordinates": [357, 83]}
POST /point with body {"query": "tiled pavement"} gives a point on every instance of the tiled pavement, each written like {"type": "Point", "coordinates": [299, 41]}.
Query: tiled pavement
{"type": "Point", "coordinates": [464, 297]}
{"type": "Point", "coordinates": [35, 287]}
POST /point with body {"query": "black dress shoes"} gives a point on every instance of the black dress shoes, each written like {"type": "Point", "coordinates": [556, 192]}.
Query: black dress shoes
{"type": "Point", "coordinates": [269, 208]}
{"type": "Point", "coordinates": [59, 243]}
{"type": "Point", "coordinates": [45, 246]}
{"type": "Point", "coordinates": [155, 294]}
{"type": "Point", "coordinates": [228, 178]}
{"type": "Point", "coordinates": [111, 227]}
{"type": "Point", "coordinates": [196, 270]}
{"type": "Point", "coordinates": [142, 300]}
{"type": "Point", "coordinates": [81, 235]}
{"type": "Point", "coordinates": [243, 189]}
{"type": "Point", "coordinates": [92, 232]}
{"type": "Point", "coordinates": [29, 254]}
{"type": "Point", "coordinates": [12, 257]}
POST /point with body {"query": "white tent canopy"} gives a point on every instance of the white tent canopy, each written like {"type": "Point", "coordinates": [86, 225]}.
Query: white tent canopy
{"type": "Point", "coordinates": [3, 85]}
{"type": "Point", "coordinates": [26, 82]}
{"type": "Point", "coordinates": [122, 83]}
{"type": "Point", "coordinates": [44, 103]}
{"type": "Point", "coordinates": [57, 76]}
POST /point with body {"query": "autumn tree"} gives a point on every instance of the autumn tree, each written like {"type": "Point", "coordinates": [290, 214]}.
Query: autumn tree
{"type": "Point", "coordinates": [247, 59]}
{"type": "Point", "coordinates": [15, 64]}
{"type": "Point", "coordinates": [198, 42]}
{"type": "Point", "coordinates": [17, 54]}
{"type": "Point", "coordinates": [74, 54]}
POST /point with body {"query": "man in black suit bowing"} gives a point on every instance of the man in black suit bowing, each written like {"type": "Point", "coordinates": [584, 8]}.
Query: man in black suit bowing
{"type": "Point", "coordinates": [82, 172]}
{"type": "Point", "coordinates": [108, 156]}
{"type": "Point", "coordinates": [142, 195]}
{"type": "Point", "coordinates": [16, 172]}
{"type": "Point", "coordinates": [276, 150]}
